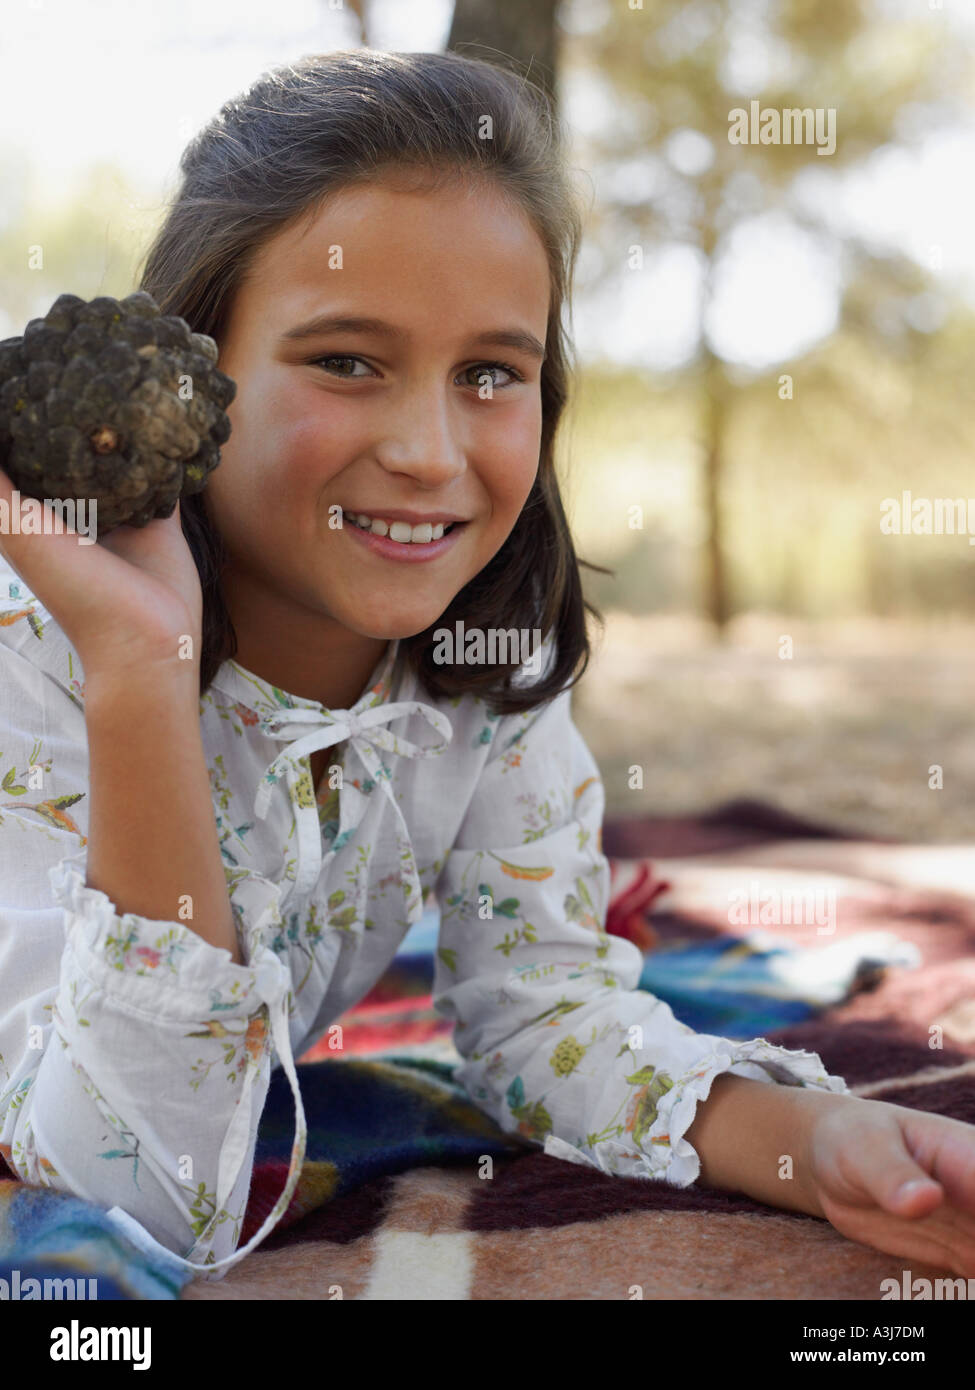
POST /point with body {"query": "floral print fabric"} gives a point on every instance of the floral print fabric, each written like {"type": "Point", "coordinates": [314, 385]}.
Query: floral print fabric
{"type": "Point", "coordinates": [135, 1057]}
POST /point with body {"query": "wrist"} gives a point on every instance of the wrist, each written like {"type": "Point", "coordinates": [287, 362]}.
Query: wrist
{"type": "Point", "coordinates": [149, 681]}
{"type": "Point", "coordinates": [756, 1137]}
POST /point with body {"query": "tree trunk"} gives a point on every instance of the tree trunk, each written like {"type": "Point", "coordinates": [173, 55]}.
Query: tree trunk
{"type": "Point", "coordinates": [495, 29]}
{"type": "Point", "coordinates": [717, 598]}
{"type": "Point", "coordinates": [360, 8]}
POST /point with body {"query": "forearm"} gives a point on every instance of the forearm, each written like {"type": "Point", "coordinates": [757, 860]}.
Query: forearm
{"type": "Point", "coordinates": [746, 1129]}
{"type": "Point", "coordinates": [152, 838]}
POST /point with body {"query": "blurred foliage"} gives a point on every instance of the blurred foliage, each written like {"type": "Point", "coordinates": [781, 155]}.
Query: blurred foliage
{"type": "Point", "coordinates": [804, 480]}
{"type": "Point", "coordinates": [89, 244]}
{"type": "Point", "coordinates": [764, 501]}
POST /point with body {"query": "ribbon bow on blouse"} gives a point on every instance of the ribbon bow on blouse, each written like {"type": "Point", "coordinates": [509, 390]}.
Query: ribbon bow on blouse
{"type": "Point", "coordinates": [363, 730]}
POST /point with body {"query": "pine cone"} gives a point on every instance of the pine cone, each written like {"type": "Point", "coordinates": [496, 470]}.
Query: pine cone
{"type": "Point", "coordinates": [92, 405]}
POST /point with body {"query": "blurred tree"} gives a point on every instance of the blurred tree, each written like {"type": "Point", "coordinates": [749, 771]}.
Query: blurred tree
{"type": "Point", "coordinates": [670, 73]}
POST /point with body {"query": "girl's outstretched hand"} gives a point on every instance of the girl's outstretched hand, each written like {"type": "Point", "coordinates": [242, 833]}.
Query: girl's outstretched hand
{"type": "Point", "coordinates": [125, 602]}
{"type": "Point", "coordinates": [859, 1161]}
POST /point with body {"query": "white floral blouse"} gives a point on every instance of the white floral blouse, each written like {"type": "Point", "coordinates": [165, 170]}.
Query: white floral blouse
{"type": "Point", "coordinates": [135, 1057]}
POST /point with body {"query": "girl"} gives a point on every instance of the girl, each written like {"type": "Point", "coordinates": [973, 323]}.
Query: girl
{"type": "Point", "coordinates": [382, 246]}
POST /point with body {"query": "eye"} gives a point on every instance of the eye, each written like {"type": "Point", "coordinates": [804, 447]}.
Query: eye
{"type": "Point", "coordinates": [315, 361]}
{"type": "Point", "coordinates": [494, 367]}
{"type": "Point", "coordinates": [479, 367]}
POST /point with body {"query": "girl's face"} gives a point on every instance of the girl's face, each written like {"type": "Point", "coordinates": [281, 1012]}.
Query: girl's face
{"type": "Point", "coordinates": [375, 418]}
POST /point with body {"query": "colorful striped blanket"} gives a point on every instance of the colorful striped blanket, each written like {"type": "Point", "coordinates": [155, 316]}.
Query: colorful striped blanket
{"type": "Point", "coordinates": [395, 1165]}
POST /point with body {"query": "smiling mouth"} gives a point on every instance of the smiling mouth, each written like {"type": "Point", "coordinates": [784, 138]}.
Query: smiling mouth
{"type": "Point", "coordinates": [401, 531]}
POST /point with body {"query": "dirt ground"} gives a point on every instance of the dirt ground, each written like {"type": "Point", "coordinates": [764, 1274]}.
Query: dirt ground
{"type": "Point", "coordinates": [845, 731]}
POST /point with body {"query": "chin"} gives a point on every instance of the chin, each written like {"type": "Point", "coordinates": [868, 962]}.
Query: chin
{"type": "Point", "coordinates": [388, 627]}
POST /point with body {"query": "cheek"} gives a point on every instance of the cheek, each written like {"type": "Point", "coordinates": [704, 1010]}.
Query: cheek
{"type": "Point", "coordinates": [278, 472]}
{"type": "Point", "coordinates": [511, 493]}
{"type": "Point", "coordinates": [308, 445]}
{"type": "Point", "coordinates": [514, 451]}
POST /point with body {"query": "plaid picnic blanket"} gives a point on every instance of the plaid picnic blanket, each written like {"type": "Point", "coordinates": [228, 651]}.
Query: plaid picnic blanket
{"type": "Point", "coordinates": [396, 1122]}
{"type": "Point", "coordinates": [537, 1227]}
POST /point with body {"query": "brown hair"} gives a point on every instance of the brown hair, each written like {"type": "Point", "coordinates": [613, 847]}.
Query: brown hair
{"type": "Point", "coordinates": [305, 131]}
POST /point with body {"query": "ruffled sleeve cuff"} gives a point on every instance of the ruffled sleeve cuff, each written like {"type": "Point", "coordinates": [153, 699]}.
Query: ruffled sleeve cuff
{"type": "Point", "coordinates": [163, 966]}
{"type": "Point", "coordinates": [666, 1154]}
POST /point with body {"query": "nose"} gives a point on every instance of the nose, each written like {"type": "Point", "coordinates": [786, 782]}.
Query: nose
{"type": "Point", "coordinates": [422, 437]}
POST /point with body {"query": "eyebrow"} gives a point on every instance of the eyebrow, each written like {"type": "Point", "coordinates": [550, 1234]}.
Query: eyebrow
{"type": "Point", "coordinates": [322, 324]}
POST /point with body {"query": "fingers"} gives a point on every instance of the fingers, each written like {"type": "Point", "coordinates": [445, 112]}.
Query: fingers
{"type": "Point", "coordinates": [898, 1181]}
{"type": "Point", "coordinates": [50, 550]}
{"type": "Point", "coordinates": [879, 1168]}
{"type": "Point", "coordinates": [945, 1149]}
{"type": "Point", "coordinates": [930, 1160]}
{"type": "Point", "coordinates": [914, 1197]}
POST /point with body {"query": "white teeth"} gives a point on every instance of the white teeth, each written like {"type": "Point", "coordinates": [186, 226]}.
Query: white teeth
{"type": "Point", "coordinates": [400, 531]}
